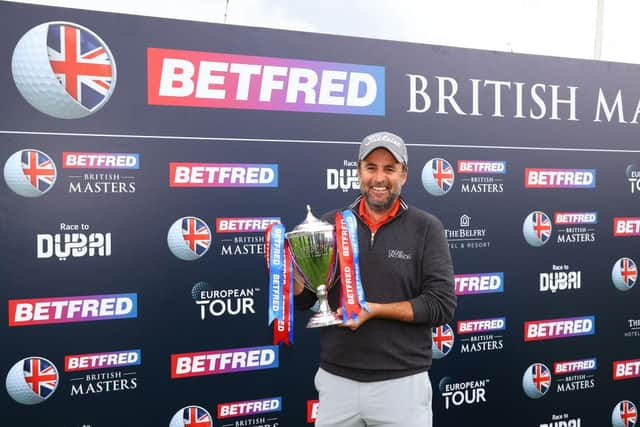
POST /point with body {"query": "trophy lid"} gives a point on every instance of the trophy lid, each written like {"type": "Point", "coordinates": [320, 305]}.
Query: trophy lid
{"type": "Point", "coordinates": [311, 224]}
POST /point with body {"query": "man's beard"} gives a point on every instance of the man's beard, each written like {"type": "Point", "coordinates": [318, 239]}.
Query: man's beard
{"type": "Point", "coordinates": [380, 206]}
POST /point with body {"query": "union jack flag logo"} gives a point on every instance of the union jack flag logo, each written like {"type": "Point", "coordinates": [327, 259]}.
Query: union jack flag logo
{"type": "Point", "coordinates": [537, 228]}
{"type": "Point", "coordinates": [442, 338]}
{"type": "Point", "coordinates": [196, 235]}
{"type": "Point", "coordinates": [442, 174]}
{"type": "Point", "coordinates": [628, 271]}
{"type": "Point", "coordinates": [81, 62]}
{"type": "Point", "coordinates": [41, 376]}
{"type": "Point", "coordinates": [625, 414]}
{"type": "Point", "coordinates": [541, 226]}
{"type": "Point", "coordinates": [195, 416]}
{"type": "Point", "coordinates": [39, 169]}
{"type": "Point", "coordinates": [541, 377]}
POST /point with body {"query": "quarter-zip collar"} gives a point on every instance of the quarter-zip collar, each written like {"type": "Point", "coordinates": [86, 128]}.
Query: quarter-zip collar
{"type": "Point", "coordinates": [354, 206]}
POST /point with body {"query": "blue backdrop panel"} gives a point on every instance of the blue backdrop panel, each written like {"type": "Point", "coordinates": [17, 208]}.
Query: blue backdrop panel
{"type": "Point", "coordinates": [458, 105]}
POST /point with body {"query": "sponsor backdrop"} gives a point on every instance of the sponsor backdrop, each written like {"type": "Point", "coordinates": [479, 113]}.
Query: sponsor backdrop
{"type": "Point", "coordinates": [143, 159]}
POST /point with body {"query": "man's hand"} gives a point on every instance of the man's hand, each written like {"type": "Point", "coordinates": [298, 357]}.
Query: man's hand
{"type": "Point", "coordinates": [362, 318]}
{"type": "Point", "coordinates": [401, 311]}
{"type": "Point", "coordinates": [298, 282]}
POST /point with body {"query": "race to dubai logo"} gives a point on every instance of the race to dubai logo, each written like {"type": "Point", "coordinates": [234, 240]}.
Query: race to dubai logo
{"type": "Point", "coordinates": [562, 420]}
{"type": "Point", "coordinates": [624, 414]}
{"type": "Point", "coordinates": [32, 380]}
{"type": "Point", "coordinates": [561, 278]}
{"type": "Point", "coordinates": [344, 178]}
{"type": "Point", "coordinates": [63, 70]}
{"type": "Point", "coordinates": [30, 173]}
{"type": "Point", "coordinates": [438, 177]}
{"type": "Point", "coordinates": [192, 415]}
{"type": "Point", "coordinates": [442, 338]}
{"type": "Point", "coordinates": [189, 238]}
{"type": "Point", "coordinates": [536, 380]}
{"type": "Point", "coordinates": [624, 274]}
{"type": "Point", "coordinates": [536, 228]}
{"type": "Point", "coordinates": [73, 241]}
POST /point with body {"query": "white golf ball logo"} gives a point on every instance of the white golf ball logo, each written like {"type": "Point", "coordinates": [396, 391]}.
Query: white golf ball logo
{"type": "Point", "coordinates": [189, 238]}
{"type": "Point", "coordinates": [438, 177]}
{"type": "Point", "coordinates": [30, 173]}
{"type": "Point", "coordinates": [536, 381]}
{"type": "Point", "coordinates": [624, 274]}
{"type": "Point", "coordinates": [63, 70]}
{"type": "Point", "coordinates": [624, 414]}
{"type": "Point", "coordinates": [537, 228]}
{"type": "Point", "coordinates": [191, 415]}
{"type": "Point", "coordinates": [32, 380]}
{"type": "Point", "coordinates": [442, 339]}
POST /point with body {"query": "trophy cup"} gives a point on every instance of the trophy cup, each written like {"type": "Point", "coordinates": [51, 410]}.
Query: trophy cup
{"type": "Point", "coordinates": [313, 246]}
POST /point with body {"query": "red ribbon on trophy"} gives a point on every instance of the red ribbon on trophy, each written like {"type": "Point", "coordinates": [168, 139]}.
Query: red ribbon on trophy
{"type": "Point", "coordinates": [353, 298]}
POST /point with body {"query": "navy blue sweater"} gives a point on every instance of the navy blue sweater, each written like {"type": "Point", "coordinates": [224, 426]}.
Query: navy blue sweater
{"type": "Point", "coordinates": [407, 259]}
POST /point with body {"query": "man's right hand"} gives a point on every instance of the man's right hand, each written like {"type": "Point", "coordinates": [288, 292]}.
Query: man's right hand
{"type": "Point", "coordinates": [298, 282]}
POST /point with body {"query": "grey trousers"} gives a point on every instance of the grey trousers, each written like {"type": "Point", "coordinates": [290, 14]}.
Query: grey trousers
{"type": "Point", "coordinates": [402, 402]}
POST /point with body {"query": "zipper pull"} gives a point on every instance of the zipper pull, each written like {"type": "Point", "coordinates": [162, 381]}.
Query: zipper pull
{"type": "Point", "coordinates": [373, 235]}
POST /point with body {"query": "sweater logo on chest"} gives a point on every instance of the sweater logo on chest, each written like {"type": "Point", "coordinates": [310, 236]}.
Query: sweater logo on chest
{"type": "Point", "coordinates": [399, 254]}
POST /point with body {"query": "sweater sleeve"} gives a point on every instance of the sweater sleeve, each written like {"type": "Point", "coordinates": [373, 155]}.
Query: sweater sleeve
{"type": "Point", "coordinates": [437, 302]}
{"type": "Point", "coordinates": [305, 300]}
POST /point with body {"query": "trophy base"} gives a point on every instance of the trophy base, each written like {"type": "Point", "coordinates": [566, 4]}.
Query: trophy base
{"type": "Point", "coordinates": [320, 320]}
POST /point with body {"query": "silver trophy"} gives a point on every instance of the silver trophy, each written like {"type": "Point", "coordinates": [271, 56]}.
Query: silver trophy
{"type": "Point", "coordinates": [313, 247]}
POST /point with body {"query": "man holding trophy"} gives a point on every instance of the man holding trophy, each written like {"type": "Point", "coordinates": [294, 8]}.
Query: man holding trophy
{"type": "Point", "coordinates": [374, 364]}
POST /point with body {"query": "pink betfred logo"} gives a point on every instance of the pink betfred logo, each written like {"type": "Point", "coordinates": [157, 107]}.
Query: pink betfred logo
{"type": "Point", "coordinates": [573, 366]}
{"type": "Point", "coordinates": [222, 175]}
{"type": "Point", "coordinates": [244, 225]}
{"type": "Point", "coordinates": [626, 226]}
{"type": "Point", "coordinates": [489, 167]}
{"type": "Point", "coordinates": [249, 407]}
{"type": "Point", "coordinates": [479, 283]}
{"type": "Point", "coordinates": [38, 311]}
{"type": "Point", "coordinates": [223, 361]}
{"type": "Point", "coordinates": [477, 326]}
{"type": "Point", "coordinates": [575, 218]}
{"type": "Point", "coordinates": [91, 361]}
{"type": "Point", "coordinates": [625, 369]}
{"type": "Point", "coordinates": [219, 80]}
{"type": "Point", "coordinates": [559, 178]}
{"type": "Point", "coordinates": [75, 160]}
{"type": "Point", "coordinates": [538, 330]}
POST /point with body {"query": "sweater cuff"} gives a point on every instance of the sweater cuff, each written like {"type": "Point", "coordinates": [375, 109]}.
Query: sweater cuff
{"type": "Point", "coordinates": [420, 314]}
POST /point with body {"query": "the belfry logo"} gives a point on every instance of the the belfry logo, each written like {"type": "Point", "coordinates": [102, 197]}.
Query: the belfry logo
{"type": "Point", "coordinates": [64, 70]}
